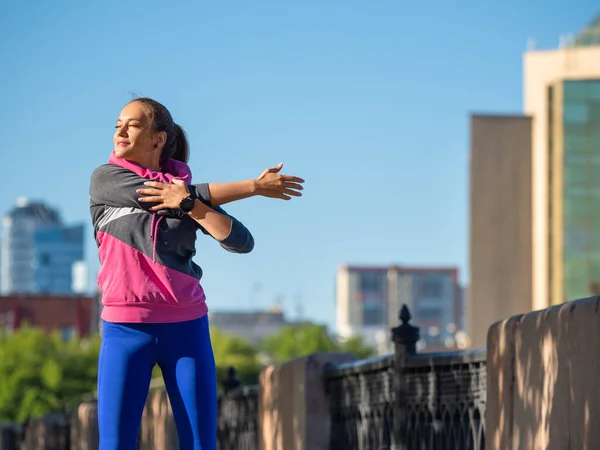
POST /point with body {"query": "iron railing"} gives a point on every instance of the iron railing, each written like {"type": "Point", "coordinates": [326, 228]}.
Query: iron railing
{"type": "Point", "coordinates": [408, 401]}
{"type": "Point", "coordinates": [361, 396]}
{"type": "Point", "coordinates": [445, 402]}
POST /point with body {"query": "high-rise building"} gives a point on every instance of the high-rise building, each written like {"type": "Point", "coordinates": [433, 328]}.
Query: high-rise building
{"type": "Point", "coordinates": [369, 300]}
{"type": "Point", "coordinates": [535, 189]}
{"type": "Point", "coordinates": [38, 253]}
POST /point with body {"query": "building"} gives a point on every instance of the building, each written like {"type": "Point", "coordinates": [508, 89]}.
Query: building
{"type": "Point", "coordinates": [39, 254]}
{"type": "Point", "coordinates": [69, 315]}
{"type": "Point", "coordinates": [252, 326]}
{"type": "Point", "coordinates": [369, 300]}
{"type": "Point", "coordinates": [535, 189]}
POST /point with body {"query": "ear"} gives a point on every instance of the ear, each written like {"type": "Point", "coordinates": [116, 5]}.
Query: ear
{"type": "Point", "coordinates": [160, 139]}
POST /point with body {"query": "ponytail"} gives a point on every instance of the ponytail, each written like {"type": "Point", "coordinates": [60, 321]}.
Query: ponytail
{"type": "Point", "coordinates": [181, 150]}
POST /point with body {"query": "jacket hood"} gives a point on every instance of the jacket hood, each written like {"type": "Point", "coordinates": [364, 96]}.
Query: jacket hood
{"type": "Point", "coordinates": [173, 170]}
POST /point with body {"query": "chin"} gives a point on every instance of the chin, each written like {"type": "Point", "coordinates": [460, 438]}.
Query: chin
{"type": "Point", "coordinates": [121, 152]}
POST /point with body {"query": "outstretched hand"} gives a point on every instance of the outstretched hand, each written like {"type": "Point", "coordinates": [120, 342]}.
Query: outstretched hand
{"type": "Point", "coordinates": [272, 184]}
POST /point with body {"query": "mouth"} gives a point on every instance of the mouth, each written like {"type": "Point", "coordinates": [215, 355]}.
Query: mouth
{"type": "Point", "coordinates": [122, 144]}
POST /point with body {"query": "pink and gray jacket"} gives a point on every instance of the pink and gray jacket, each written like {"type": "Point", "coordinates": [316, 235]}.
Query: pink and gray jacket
{"type": "Point", "coordinates": [146, 268]}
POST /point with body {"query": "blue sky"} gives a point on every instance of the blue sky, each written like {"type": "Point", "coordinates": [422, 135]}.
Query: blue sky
{"type": "Point", "coordinates": [368, 101]}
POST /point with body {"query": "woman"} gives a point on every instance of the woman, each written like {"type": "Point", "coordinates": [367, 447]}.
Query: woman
{"type": "Point", "coordinates": [146, 212]}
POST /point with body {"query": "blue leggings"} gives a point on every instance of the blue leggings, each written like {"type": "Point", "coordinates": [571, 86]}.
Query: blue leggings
{"type": "Point", "coordinates": [184, 353]}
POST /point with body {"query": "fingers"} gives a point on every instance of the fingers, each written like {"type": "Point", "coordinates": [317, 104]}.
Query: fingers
{"type": "Point", "coordinates": [292, 178]}
{"type": "Point", "coordinates": [296, 186]}
{"type": "Point", "coordinates": [292, 193]}
{"type": "Point", "coordinates": [150, 199]}
{"type": "Point", "coordinates": [275, 169]}
{"type": "Point", "coordinates": [155, 184]}
{"type": "Point", "coordinates": [149, 191]}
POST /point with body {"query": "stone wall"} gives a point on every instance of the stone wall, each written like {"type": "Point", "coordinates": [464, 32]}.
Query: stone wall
{"type": "Point", "coordinates": [543, 370]}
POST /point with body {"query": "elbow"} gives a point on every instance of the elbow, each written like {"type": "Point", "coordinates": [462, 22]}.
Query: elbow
{"type": "Point", "coordinates": [249, 245]}
{"type": "Point", "coordinates": [241, 248]}
{"type": "Point", "coordinates": [239, 240]}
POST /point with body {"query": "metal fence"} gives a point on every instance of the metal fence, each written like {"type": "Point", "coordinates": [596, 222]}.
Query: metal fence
{"type": "Point", "coordinates": [409, 401]}
{"type": "Point", "coordinates": [445, 402]}
{"type": "Point", "coordinates": [362, 400]}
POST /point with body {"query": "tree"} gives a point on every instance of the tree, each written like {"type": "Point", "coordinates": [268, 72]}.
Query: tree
{"type": "Point", "coordinates": [41, 373]}
{"type": "Point", "coordinates": [293, 341]}
{"type": "Point", "coordinates": [232, 351]}
{"type": "Point", "coordinates": [357, 345]}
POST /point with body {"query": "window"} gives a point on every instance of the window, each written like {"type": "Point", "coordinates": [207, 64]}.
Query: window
{"type": "Point", "coordinates": [575, 174]}
{"type": "Point", "coordinates": [575, 207]}
{"type": "Point", "coordinates": [431, 287]}
{"type": "Point", "coordinates": [428, 314]}
{"type": "Point", "coordinates": [576, 113]}
{"type": "Point", "coordinates": [371, 281]}
{"type": "Point", "coordinates": [372, 296]}
{"type": "Point", "coordinates": [372, 316]}
{"type": "Point", "coordinates": [575, 90]}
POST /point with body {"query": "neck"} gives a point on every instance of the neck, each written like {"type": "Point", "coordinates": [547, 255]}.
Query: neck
{"type": "Point", "coordinates": [149, 161]}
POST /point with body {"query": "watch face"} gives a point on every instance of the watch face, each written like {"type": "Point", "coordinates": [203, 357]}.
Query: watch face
{"type": "Point", "coordinates": [187, 204]}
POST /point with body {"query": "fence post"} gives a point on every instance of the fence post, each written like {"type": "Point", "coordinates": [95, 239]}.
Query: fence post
{"type": "Point", "coordinates": [405, 337]}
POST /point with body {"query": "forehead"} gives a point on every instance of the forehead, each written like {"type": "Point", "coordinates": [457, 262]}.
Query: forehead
{"type": "Point", "coordinates": [133, 111]}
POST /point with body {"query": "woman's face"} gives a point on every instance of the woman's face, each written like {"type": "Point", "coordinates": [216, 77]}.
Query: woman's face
{"type": "Point", "coordinates": [134, 135]}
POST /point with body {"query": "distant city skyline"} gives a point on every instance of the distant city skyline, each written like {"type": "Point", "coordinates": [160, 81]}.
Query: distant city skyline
{"type": "Point", "coordinates": [368, 102]}
{"type": "Point", "coordinates": [39, 254]}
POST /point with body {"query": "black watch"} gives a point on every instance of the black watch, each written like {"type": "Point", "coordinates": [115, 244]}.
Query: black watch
{"type": "Point", "coordinates": [187, 204]}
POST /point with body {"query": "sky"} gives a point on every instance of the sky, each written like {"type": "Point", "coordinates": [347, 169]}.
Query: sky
{"type": "Point", "coordinates": [369, 102]}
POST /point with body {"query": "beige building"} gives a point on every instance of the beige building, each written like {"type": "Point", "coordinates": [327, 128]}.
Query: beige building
{"type": "Point", "coordinates": [369, 299]}
{"type": "Point", "coordinates": [535, 189]}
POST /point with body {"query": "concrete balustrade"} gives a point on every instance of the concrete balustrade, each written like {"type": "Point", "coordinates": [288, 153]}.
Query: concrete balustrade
{"type": "Point", "coordinates": [293, 405]}
{"type": "Point", "coordinates": [543, 387]}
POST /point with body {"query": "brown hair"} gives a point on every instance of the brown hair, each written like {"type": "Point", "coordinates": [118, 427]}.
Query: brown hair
{"type": "Point", "coordinates": [176, 146]}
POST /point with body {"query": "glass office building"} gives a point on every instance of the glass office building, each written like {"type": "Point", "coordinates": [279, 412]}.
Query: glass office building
{"type": "Point", "coordinates": [38, 253]}
{"type": "Point", "coordinates": [578, 133]}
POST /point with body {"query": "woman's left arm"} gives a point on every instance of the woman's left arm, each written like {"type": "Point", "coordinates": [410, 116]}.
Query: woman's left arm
{"type": "Point", "coordinates": [227, 230]}
{"type": "Point", "coordinates": [270, 183]}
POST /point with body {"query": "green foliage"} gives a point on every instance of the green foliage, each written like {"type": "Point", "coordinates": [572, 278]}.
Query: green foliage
{"type": "Point", "coordinates": [229, 351]}
{"type": "Point", "coordinates": [294, 341]}
{"type": "Point", "coordinates": [357, 346]}
{"type": "Point", "coordinates": [41, 373]}
{"type": "Point", "coordinates": [233, 351]}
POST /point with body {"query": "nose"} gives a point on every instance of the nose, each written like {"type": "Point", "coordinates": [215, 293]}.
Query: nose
{"type": "Point", "coordinates": [122, 130]}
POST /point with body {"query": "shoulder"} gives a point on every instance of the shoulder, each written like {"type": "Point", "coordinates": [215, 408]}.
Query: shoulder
{"type": "Point", "coordinates": [110, 173]}
{"type": "Point", "coordinates": [107, 179]}
{"type": "Point", "coordinates": [106, 170]}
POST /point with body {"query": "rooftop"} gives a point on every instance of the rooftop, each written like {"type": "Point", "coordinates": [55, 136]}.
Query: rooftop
{"type": "Point", "coordinates": [35, 210]}
{"type": "Point", "coordinates": [589, 36]}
